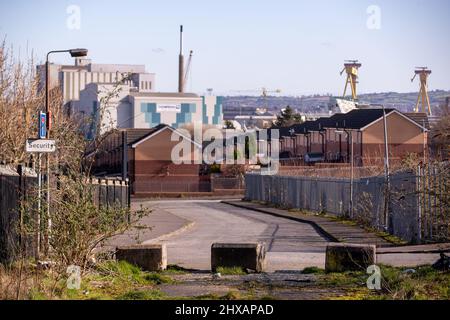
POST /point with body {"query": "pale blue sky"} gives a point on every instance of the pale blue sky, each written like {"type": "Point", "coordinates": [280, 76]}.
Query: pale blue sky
{"type": "Point", "coordinates": [296, 46]}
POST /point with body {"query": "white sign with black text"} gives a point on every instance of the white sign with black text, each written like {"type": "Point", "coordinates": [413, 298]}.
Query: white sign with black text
{"type": "Point", "coordinates": [40, 145]}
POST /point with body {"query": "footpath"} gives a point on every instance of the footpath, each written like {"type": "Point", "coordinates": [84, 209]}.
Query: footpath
{"type": "Point", "coordinates": [342, 231]}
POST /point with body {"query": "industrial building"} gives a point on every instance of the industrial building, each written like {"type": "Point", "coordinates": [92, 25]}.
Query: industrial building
{"type": "Point", "coordinates": [136, 103]}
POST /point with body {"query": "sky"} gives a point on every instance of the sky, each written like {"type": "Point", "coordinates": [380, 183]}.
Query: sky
{"type": "Point", "coordinates": [296, 46]}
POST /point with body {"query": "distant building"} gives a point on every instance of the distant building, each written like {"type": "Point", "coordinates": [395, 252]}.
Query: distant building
{"type": "Point", "coordinates": [145, 157]}
{"type": "Point", "coordinates": [330, 137]}
{"type": "Point", "coordinates": [136, 103]}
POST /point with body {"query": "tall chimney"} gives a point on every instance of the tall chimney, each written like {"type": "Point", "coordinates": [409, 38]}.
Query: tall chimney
{"type": "Point", "coordinates": [181, 64]}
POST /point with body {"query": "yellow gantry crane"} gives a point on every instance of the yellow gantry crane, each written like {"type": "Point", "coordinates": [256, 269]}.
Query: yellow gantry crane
{"type": "Point", "coordinates": [351, 68]}
{"type": "Point", "coordinates": [423, 73]}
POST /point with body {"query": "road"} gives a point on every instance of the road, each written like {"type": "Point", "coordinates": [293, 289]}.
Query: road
{"type": "Point", "coordinates": [290, 245]}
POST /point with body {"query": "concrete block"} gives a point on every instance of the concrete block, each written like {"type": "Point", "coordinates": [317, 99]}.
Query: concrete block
{"type": "Point", "coordinates": [244, 255]}
{"type": "Point", "coordinates": [151, 257]}
{"type": "Point", "coordinates": [342, 257]}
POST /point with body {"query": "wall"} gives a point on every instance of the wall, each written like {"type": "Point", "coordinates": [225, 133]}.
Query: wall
{"type": "Point", "coordinates": [153, 169]}
{"type": "Point", "coordinates": [403, 137]}
{"type": "Point", "coordinates": [146, 115]}
{"type": "Point", "coordinates": [118, 112]}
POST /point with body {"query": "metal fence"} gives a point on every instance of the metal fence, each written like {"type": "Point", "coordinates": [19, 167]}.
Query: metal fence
{"type": "Point", "coordinates": [433, 185]}
{"type": "Point", "coordinates": [16, 186]}
{"type": "Point", "coordinates": [227, 183]}
{"type": "Point", "coordinates": [111, 192]}
{"type": "Point", "coordinates": [163, 186]}
{"type": "Point", "coordinates": [414, 208]}
{"type": "Point", "coordinates": [12, 189]}
{"type": "Point", "coordinates": [214, 184]}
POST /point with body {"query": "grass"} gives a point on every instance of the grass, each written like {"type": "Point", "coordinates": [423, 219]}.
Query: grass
{"type": "Point", "coordinates": [231, 271]}
{"type": "Point", "coordinates": [120, 280]}
{"type": "Point", "coordinates": [142, 295]}
{"type": "Point", "coordinates": [107, 281]}
{"type": "Point", "coordinates": [424, 284]}
{"type": "Point", "coordinates": [174, 269]}
{"type": "Point", "coordinates": [313, 270]}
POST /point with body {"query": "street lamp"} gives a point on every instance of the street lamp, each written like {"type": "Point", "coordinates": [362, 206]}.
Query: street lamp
{"type": "Point", "coordinates": [74, 53]}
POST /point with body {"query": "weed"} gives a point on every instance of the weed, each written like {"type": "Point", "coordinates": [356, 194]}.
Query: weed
{"type": "Point", "coordinates": [313, 270]}
{"type": "Point", "coordinates": [235, 271]}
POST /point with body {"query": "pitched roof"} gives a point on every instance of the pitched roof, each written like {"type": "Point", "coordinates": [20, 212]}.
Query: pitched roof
{"type": "Point", "coordinates": [157, 130]}
{"type": "Point", "coordinates": [135, 135]}
{"type": "Point", "coordinates": [355, 119]}
{"type": "Point", "coordinates": [358, 119]}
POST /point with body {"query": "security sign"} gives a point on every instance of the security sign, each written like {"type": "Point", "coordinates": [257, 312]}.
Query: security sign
{"type": "Point", "coordinates": [42, 125]}
{"type": "Point", "coordinates": [40, 146]}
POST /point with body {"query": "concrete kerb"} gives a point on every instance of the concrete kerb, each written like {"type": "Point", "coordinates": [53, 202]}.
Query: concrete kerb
{"type": "Point", "coordinates": [170, 234]}
{"type": "Point", "coordinates": [151, 257]}
{"type": "Point", "coordinates": [251, 256]}
{"type": "Point", "coordinates": [341, 257]}
{"type": "Point", "coordinates": [316, 227]}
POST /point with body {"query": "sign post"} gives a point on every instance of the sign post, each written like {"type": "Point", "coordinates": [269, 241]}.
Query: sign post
{"type": "Point", "coordinates": [39, 146]}
{"type": "Point", "coordinates": [42, 125]}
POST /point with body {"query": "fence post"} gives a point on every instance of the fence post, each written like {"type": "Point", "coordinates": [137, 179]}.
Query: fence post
{"type": "Point", "coordinates": [419, 204]}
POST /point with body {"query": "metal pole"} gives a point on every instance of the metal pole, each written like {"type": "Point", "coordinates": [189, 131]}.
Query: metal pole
{"type": "Point", "coordinates": [47, 110]}
{"type": "Point", "coordinates": [424, 143]}
{"type": "Point", "coordinates": [38, 219]}
{"type": "Point", "coordinates": [351, 175]}
{"type": "Point", "coordinates": [419, 204]}
{"type": "Point", "coordinates": [386, 172]}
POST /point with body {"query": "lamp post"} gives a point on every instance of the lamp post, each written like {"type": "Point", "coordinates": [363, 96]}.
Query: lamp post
{"type": "Point", "coordinates": [386, 173]}
{"type": "Point", "coordinates": [74, 53]}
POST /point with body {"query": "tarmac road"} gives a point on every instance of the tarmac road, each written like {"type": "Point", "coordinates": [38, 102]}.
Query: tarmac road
{"type": "Point", "coordinates": [291, 245]}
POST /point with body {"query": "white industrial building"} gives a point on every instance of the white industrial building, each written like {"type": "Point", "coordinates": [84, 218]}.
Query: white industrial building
{"type": "Point", "coordinates": [136, 103]}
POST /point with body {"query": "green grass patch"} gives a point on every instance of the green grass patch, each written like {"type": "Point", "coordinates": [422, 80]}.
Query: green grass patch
{"type": "Point", "coordinates": [174, 269]}
{"type": "Point", "coordinates": [313, 270]}
{"type": "Point", "coordinates": [389, 237]}
{"type": "Point", "coordinates": [107, 281]}
{"type": "Point", "coordinates": [142, 295]}
{"type": "Point", "coordinates": [158, 278]}
{"type": "Point", "coordinates": [231, 271]}
{"type": "Point", "coordinates": [396, 284]}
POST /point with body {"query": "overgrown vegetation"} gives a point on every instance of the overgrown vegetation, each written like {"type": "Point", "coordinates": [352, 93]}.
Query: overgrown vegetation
{"type": "Point", "coordinates": [421, 283]}
{"type": "Point", "coordinates": [71, 227]}
{"type": "Point", "coordinates": [107, 280]}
